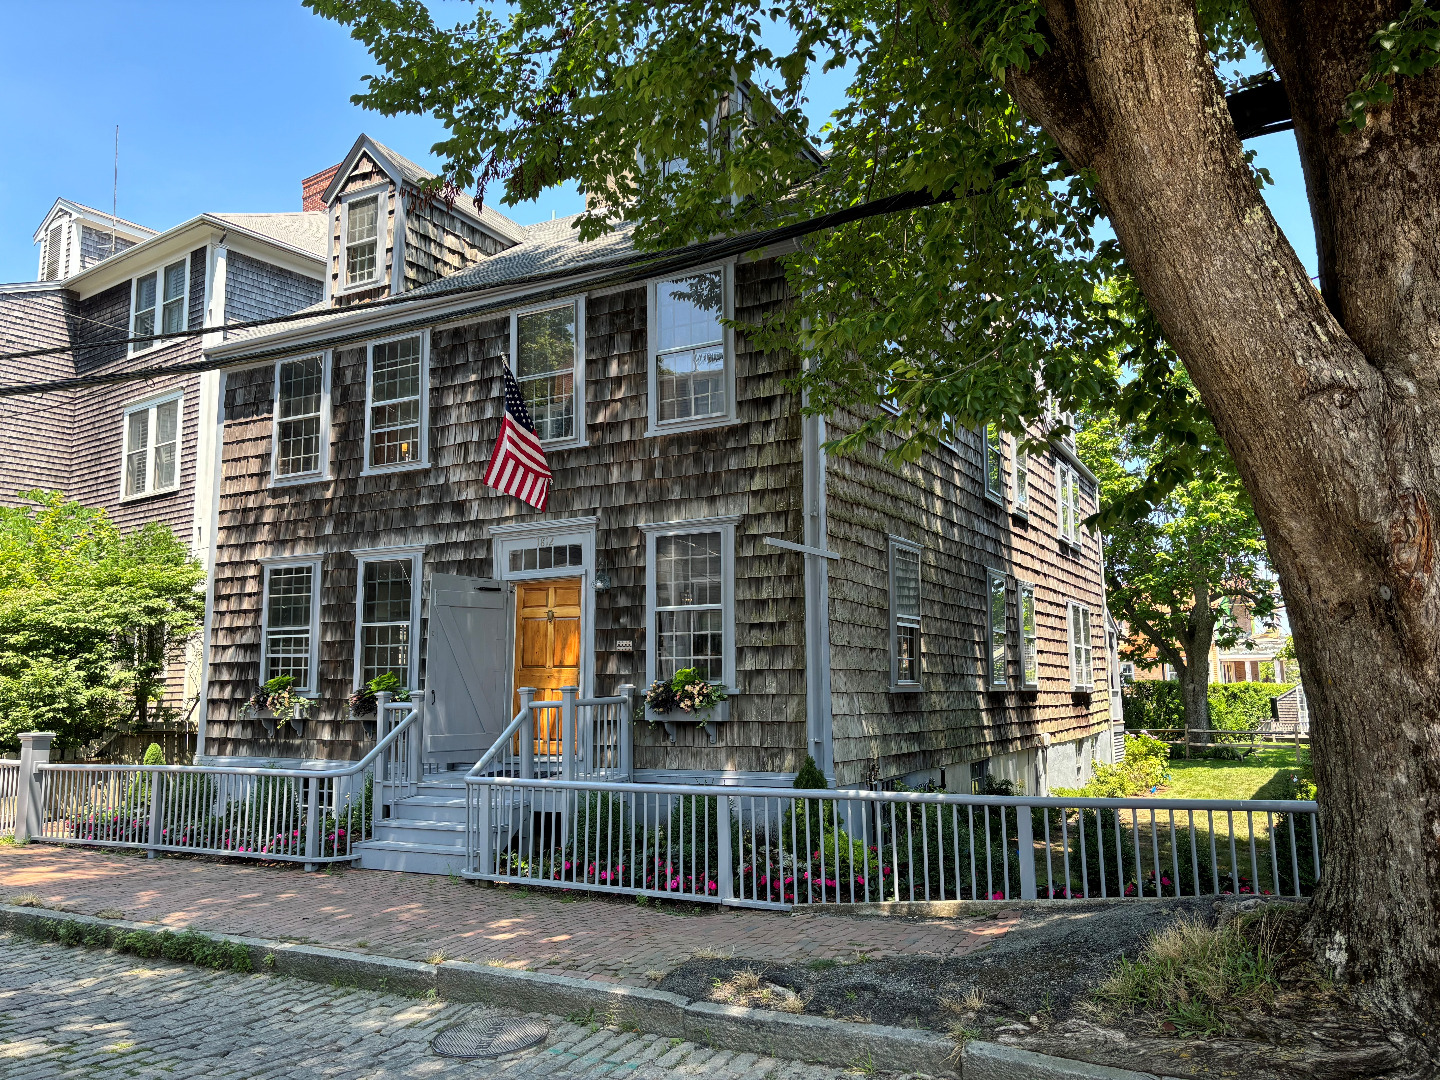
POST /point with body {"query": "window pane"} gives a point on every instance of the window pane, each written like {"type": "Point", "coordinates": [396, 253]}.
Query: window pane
{"type": "Point", "coordinates": [691, 639]}
{"type": "Point", "coordinates": [1022, 476]}
{"type": "Point", "coordinates": [137, 438]}
{"type": "Point", "coordinates": [361, 239]}
{"type": "Point", "coordinates": [301, 384]}
{"type": "Point", "coordinates": [144, 324]}
{"type": "Point", "coordinates": [359, 262]}
{"type": "Point", "coordinates": [551, 402]}
{"type": "Point", "coordinates": [387, 591]}
{"type": "Point", "coordinates": [397, 370]}
{"type": "Point", "coordinates": [299, 447]}
{"type": "Point", "coordinates": [385, 649]}
{"type": "Point", "coordinates": [167, 430]}
{"type": "Point", "coordinates": [364, 217]}
{"type": "Point", "coordinates": [907, 582]}
{"type": "Point", "coordinates": [175, 281]}
{"type": "Point", "coordinates": [688, 570]}
{"type": "Point", "coordinates": [546, 342]}
{"type": "Point", "coordinates": [395, 382]}
{"type": "Point", "coordinates": [173, 315]}
{"type": "Point", "coordinates": [907, 654]}
{"type": "Point", "coordinates": [994, 460]}
{"type": "Point", "coordinates": [290, 589]}
{"type": "Point", "coordinates": [997, 630]}
{"type": "Point", "coordinates": [691, 383]}
{"type": "Point", "coordinates": [688, 311]}
{"type": "Point", "coordinates": [1029, 641]}
{"type": "Point", "coordinates": [288, 654]}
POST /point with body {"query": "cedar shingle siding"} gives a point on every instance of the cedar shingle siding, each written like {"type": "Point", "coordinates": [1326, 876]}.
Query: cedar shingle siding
{"type": "Point", "coordinates": [258, 290]}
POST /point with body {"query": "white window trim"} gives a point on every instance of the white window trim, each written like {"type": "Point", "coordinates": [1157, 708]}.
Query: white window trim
{"type": "Point", "coordinates": [1077, 676]}
{"type": "Point", "coordinates": [415, 553]}
{"type": "Point", "coordinates": [1022, 588]}
{"type": "Point", "coordinates": [277, 562]}
{"type": "Point", "coordinates": [991, 577]}
{"type": "Point", "coordinates": [148, 405]}
{"type": "Point", "coordinates": [578, 302]}
{"type": "Point", "coordinates": [1067, 497]}
{"type": "Point", "coordinates": [158, 271]}
{"type": "Point", "coordinates": [323, 472]}
{"type": "Point", "coordinates": [725, 526]}
{"type": "Point", "coordinates": [382, 221]}
{"type": "Point", "coordinates": [894, 543]}
{"type": "Point", "coordinates": [423, 462]}
{"type": "Point", "coordinates": [727, 336]}
{"type": "Point", "coordinates": [994, 495]}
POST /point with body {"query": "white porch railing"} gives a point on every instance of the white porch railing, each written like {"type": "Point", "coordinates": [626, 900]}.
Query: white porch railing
{"type": "Point", "coordinates": [9, 785]}
{"type": "Point", "coordinates": [297, 815]}
{"type": "Point", "coordinates": [760, 847]}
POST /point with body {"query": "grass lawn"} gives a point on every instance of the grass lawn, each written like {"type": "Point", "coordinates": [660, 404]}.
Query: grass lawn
{"type": "Point", "coordinates": [1259, 776]}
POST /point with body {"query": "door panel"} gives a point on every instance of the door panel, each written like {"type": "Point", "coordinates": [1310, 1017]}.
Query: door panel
{"type": "Point", "coordinates": [547, 649]}
{"type": "Point", "coordinates": [465, 667]}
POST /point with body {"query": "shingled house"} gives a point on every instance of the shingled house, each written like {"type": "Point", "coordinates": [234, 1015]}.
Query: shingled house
{"type": "Point", "coordinates": [140, 446]}
{"type": "Point", "coordinates": [940, 621]}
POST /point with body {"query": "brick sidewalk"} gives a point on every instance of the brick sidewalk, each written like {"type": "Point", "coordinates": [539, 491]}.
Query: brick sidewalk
{"type": "Point", "coordinates": [413, 916]}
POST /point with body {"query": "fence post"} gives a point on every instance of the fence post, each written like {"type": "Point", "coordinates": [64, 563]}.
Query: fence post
{"type": "Point", "coordinates": [1025, 837]}
{"type": "Point", "coordinates": [156, 815]}
{"type": "Point", "coordinates": [313, 826]}
{"type": "Point", "coordinates": [527, 733]}
{"type": "Point", "coordinates": [481, 862]}
{"type": "Point", "coordinates": [29, 791]}
{"type": "Point", "coordinates": [725, 871]}
{"type": "Point", "coordinates": [627, 749]}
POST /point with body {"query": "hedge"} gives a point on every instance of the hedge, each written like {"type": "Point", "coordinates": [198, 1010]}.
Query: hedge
{"type": "Point", "coordinates": [1233, 706]}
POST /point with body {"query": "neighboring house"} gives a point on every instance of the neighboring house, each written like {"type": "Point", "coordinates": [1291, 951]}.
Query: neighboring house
{"type": "Point", "coordinates": [141, 448]}
{"type": "Point", "coordinates": [953, 628]}
{"type": "Point", "coordinates": [1254, 658]}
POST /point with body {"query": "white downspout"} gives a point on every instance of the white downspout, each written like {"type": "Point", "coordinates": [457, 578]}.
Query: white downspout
{"type": "Point", "coordinates": [210, 441]}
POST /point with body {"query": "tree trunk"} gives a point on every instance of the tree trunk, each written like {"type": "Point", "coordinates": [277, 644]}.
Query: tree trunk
{"type": "Point", "coordinates": [1194, 692]}
{"type": "Point", "coordinates": [1326, 403]}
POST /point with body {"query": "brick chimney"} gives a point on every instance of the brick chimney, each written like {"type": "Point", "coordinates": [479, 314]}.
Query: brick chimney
{"type": "Point", "coordinates": [312, 188]}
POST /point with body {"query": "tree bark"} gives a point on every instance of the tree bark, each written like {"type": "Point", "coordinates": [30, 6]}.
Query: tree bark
{"type": "Point", "coordinates": [1325, 402]}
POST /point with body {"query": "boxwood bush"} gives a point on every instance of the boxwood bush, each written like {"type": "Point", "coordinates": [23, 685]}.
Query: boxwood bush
{"type": "Point", "coordinates": [1233, 706]}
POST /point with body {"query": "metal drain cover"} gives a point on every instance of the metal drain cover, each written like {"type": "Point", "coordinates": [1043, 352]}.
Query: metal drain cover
{"type": "Point", "coordinates": [489, 1037]}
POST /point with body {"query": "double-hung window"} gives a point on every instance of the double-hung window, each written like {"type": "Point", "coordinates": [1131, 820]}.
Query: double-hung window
{"type": "Point", "coordinates": [387, 616]}
{"type": "Point", "coordinates": [362, 240]}
{"type": "Point", "coordinates": [166, 289]}
{"type": "Point", "coordinates": [396, 406]}
{"type": "Point", "coordinates": [152, 448]}
{"type": "Point", "coordinates": [301, 442]}
{"type": "Point", "coordinates": [1029, 637]}
{"type": "Point", "coordinates": [997, 673]}
{"type": "Point", "coordinates": [544, 357]}
{"type": "Point", "coordinates": [904, 615]}
{"type": "Point", "coordinates": [691, 595]}
{"type": "Point", "coordinates": [691, 374]}
{"type": "Point", "coordinates": [1022, 479]}
{"type": "Point", "coordinates": [291, 619]}
{"type": "Point", "coordinates": [1082, 671]}
{"type": "Point", "coordinates": [994, 465]}
{"type": "Point", "coordinates": [1067, 494]}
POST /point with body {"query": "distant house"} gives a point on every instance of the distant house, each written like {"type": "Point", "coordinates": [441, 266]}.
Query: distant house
{"type": "Point", "coordinates": [141, 448]}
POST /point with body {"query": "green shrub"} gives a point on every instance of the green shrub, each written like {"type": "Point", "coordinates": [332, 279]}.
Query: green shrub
{"type": "Point", "coordinates": [1233, 706]}
{"type": "Point", "coordinates": [154, 755]}
{"type": "Point", "coordinates": [1146, 766]}
{"type": "Point", "coordinates": [1153, 704]}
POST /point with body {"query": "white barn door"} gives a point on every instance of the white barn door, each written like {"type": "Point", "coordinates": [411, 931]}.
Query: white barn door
{"type": "Point", "coordinates": [467, 670]}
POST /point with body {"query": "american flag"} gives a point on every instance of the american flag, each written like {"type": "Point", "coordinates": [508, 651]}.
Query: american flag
{"type": "Point", "coordinates": [518, 467]}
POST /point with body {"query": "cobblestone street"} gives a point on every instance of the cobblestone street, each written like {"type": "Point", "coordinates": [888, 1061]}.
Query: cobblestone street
{"type": "Point", "coordinates": [75, 1012]}
{"type": "Point", "coordinates": [413, 916]}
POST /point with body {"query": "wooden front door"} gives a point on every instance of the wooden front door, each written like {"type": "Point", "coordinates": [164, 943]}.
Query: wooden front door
{"type": "Point", "coordinates": [547, 649]}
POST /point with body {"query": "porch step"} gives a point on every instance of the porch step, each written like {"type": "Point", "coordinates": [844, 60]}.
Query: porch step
{"type": "Point", "coordinates": [410, 858]}
{"type": "Point", "coordinates": [431, 808]}
{"type": "Point", "coordinates": [445, 834]}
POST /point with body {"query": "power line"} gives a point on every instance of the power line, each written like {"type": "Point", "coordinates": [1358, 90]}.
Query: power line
{"type": "Point", "coordinates": [1257, 110]}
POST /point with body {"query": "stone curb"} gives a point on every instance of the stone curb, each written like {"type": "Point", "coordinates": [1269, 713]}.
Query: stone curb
{"type": "Point", "coordinates": [818, 1039]}
{"type": "Point", "coordinates": [994, 1061]}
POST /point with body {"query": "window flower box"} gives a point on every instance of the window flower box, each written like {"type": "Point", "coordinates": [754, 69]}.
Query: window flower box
{"type": "Point", "coordinates": [687, 698]}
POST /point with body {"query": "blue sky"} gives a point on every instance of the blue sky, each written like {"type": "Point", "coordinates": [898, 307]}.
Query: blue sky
{"type": "Point", "coordinates": [225, 105]}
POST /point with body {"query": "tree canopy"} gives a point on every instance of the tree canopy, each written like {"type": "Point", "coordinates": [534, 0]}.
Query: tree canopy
{"type": "Point", "coordinates": [89, 618]}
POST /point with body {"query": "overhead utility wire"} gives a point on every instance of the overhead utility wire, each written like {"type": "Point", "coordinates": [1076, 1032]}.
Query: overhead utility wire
{"type": "Point", "coordinates": [1259, 110]}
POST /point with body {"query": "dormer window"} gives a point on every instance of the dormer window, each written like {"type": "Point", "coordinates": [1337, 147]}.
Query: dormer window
{"type": "Point", "coordinates": [167, 289]}
{"type": "Point", "coordinates": [362, 240]}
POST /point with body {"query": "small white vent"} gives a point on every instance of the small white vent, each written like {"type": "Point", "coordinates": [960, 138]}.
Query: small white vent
{"type": "Point", "coordinates": [52, 254]}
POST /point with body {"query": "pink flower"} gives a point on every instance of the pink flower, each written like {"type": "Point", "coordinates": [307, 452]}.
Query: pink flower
{"type": "Point", "coordinates": [997, 896]}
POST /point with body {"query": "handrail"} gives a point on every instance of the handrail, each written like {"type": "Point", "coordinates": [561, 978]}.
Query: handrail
{"type": "Point", "coordinates": [352, 769]}
{"type": "Point", "coordinates": [501, 742]}
{"type": "Point", "coordinates": [1275, 806]}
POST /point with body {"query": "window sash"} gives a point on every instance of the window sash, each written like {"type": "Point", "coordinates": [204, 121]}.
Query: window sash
{"type": "Point", "coordinates": [1082, 674]}
{"type": "Point", "coordinates": [994, 463]}
{"type": "Point", "coordinates": [690, 361]}
{"type": "Point", "coordinates": [385, 606]}
{"type": "Point", "coordinates": [172, 315]}
{"type": "Point", "coordinates": [997, 673]}
{"type": "Point", "coordinates": [1022, 478]}
{"type": "Point", "coordinates": [289, 624]}
{"type": "Point", "coordinates": [362, 240]}
{"type": "Point", "coordinates": [690, 606]}
{"type": "Point", "coordinates": [545, 362]}
{"type": "Point", "coordinates": [905, 610]}
{"type": "Point", "coordinates": [299, 408]}
{"type": "Point", "coordinates": [142, 320]}
{"type": "Point", "coordinates": [396, 403]}
{"type": "Point", "coordinates": [1029, 638]}
{"type": "Point", "coordinates": [152, 448]}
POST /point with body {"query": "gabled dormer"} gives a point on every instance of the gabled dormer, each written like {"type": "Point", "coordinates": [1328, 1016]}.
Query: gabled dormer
{"type": "Point", "coordinates": [388, 236]}
{"type": "Point", "coordinates": [74, 237]}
